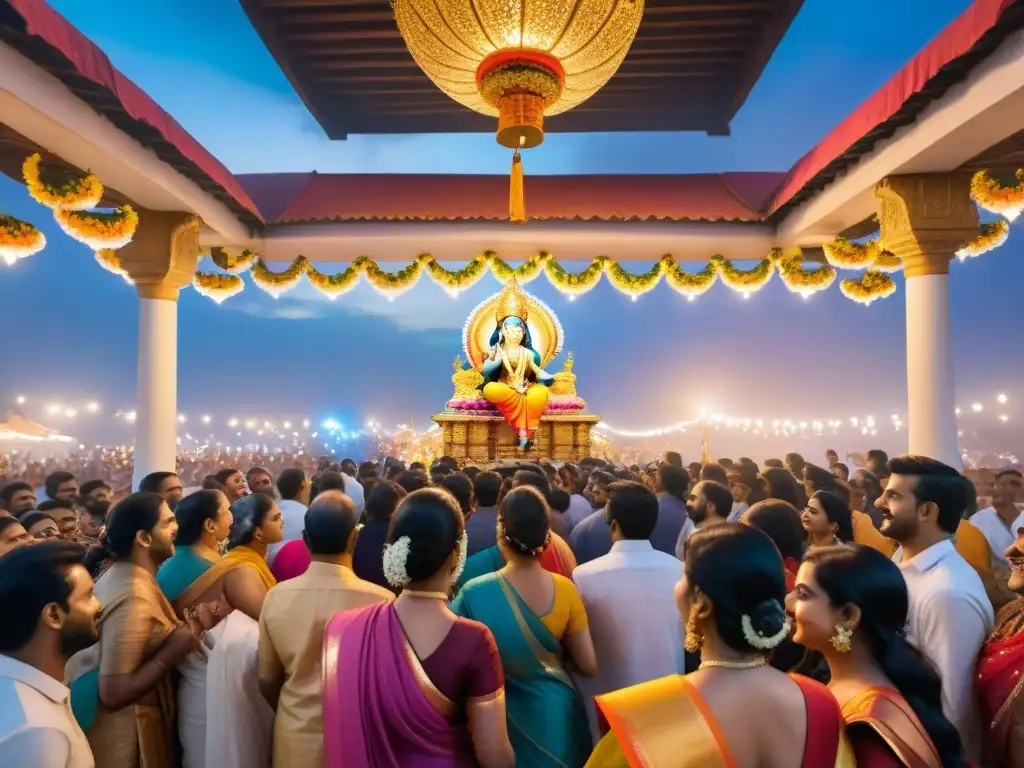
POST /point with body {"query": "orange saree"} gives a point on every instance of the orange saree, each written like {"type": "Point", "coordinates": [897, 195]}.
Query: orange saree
{"type": "Point", "coordinates": [883, 714]}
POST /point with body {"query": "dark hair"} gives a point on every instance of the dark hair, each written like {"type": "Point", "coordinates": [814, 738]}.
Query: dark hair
{"type": "Point", "coordinates": [714, 472]}
{"type": "Point", "coordinates": [248, 513]}
{"type": "Point", "coordinates": [418, 466]}
{"type": "Point", "coordinates": [838, 513]}
{"type": "Point", "coordinates": [675, 480]}
{"type": "Point", "coordinates": [795, 461]}
{"type": "Point", "coordinates": [780, 520]}
{"type": "Point", "coordinates": [383, 500]}
{"type": "Point", "coordinates": [674, 459]}
{"type": "Point", "coordinates": [780, 484]}
{"type": "Point", "coordinates": [602, 478]}
{"type": "Point", "coordinates": [412, 480]}
{"type": "Point", "coordinates": [525, 521]}
{"type": "Point", "coordinates": [461, 487]}
{"type": "Point", "coordinates": [6, 522]}
{"type": "Point", "coordinates": [866, 578]}
{"type": "Point", "coordinates": [347, 462]}
{"type": "Point", "coordinates": [821, 479]}
{"type": "Point", "coordinates": [253, 471]}
{"type": "Point", "coordinates": [211, 483]}
{"type": "Point", "coordinates": [92, 485]}
{"type": "Point", "coordinates": [330, 480]}
{"type": "Point", "coordinates": [1009, 473]}
{"type": "Point", "coordinates": [878, 457]}
{"type": "Point", "coordinates": [34, 516]}
{"type": "Point", "coordinates": [570, 475]}
{"type": "Point", "coordinates": [137, 512]}
{"type": "Point", "coordinates": [559, 500]}
{"type": "Point", "coordinates": [289, 483]}
{"type": "Point", "coordinates": [152, 482]}
{"type": "Point", "coordinates": [55, 480]}
{"type": "Point", "coordinates": [52, 504]}
{"type": "Point", "coordinates": [719, 495]}
{"type": "Point", "coordinates": [534, 479]}
{"type": "Point", "coordinates": [8, 491]}
{"type": "Point", "coordinates": [367, 469]}
{"type": "Point", "coordinates": [328, 524]}
{"type": "Point", "coordinates": [432, 520]}
{"type": "Point", "coordinates": [937, 483]}
{"type": "Point", "coordinates": [30, 579]}
{"type": "Point", "coordinates": [487, 486]}
{"type": "Point", "coordinates": [192, 512]}
{"type": "Point", "coordinates": [775, 463]}
{"type": "Point", "coordinates": [741, 571]}
{"type": "Point", "coordinates": [634, 507]}
{"type": "Point", "coordinates": [842, 467]}
{"type": "Point", "coordinates": [223, 475]}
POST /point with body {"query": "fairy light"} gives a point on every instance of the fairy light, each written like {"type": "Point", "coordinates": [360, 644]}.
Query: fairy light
{"type": "Point", "coordinates": [1001, 399]}
{"type": "Point", "coordinates": [92, 407]}
{"type": "Point", "coordinates": [20, 399]}
{"type": "Point", "coordinates": [977, 407]}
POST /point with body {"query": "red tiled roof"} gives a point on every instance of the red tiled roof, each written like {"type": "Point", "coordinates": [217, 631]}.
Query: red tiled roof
{"type": "Point", "coordinates": [52, 42]}
{"type": "Point", "coordinates": [946, 60]}
{"type": "Point", "coordinates": [296, 197]}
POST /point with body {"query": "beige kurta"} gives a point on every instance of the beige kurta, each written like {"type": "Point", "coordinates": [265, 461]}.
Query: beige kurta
{"type": "Point", "coordinates": [135, 620]}
{"type": "Point", "coordinates": [292, 624]}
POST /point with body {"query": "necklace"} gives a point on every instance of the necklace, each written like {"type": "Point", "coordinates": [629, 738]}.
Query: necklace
{"type": "Point", "coordinates": [723, 664]}
{"type": "Point", "coordinates": [425, 595]}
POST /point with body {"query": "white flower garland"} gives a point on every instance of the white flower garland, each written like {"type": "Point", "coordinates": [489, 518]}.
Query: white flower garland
{"type": "Point", "coordinates": [759, 641]}
{"type": "Point", "coordinates": [460, 566]}
{"type": "Point", "coordinates": [395, 557]}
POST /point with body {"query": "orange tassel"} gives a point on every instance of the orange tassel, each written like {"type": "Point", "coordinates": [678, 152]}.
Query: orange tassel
{"type": "Point", "coordinates": [516, 192]}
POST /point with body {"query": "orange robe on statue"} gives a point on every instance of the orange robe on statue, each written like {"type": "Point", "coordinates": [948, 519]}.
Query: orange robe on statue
{"type": "Point", "coordinates": [521, 410]}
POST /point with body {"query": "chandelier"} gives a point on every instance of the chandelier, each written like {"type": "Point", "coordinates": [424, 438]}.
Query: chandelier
{"type": "Point", "coordinates": [519, 60]}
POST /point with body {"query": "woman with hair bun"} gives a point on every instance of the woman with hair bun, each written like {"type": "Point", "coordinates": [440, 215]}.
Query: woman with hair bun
{"type": "Point", "coordinates": [539, 623]}
{"type": "Point", "coordinates": [851, 605]}
{"type": "Point", "coordinates": [735, 710]}
{"type": "Point", "coordinates": [409, 683]}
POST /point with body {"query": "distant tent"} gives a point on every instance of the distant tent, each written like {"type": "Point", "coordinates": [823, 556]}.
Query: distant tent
{"type": "Point", "coordinates": [17, 427]}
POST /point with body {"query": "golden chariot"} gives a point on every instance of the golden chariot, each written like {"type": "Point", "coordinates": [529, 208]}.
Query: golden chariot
{"type": "Point", "coordinates": [473, 430]}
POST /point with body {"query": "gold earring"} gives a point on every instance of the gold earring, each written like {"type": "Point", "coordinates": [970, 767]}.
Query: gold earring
{"type": "Point", "coordinates": [694, 639]}
{"type": "Point", "coordinates": [841, 640]}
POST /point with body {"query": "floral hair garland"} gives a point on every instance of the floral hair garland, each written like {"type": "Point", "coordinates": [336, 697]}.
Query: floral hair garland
{"type": "Point", "coordinates": [396, 556]}
{"type": "Point", "coordinates": [760, 641]}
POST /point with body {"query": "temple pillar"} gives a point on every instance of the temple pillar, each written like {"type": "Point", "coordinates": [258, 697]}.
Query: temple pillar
{"type": "Point", "coordinates": [924, 219]}
{"type": "Point", "coordinates": [160, 260]}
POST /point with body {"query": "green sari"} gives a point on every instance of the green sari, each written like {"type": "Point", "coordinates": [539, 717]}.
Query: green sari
{"type": "Point", "coordinates": [546, 720]}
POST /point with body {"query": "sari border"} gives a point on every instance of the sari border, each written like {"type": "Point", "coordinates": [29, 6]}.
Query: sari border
{"type": "Point", "coordinates": [441, 703]}
{"type": "Point", "coordinates": [487, 698]}
{"type": "Point", "coordinates": [1010, 704]}
{"type": "Point", "coordinates": [217, 570]}
{"type": "Point", "coordinates": [548, 659]}
{"type": "Point", "coordinates": [864, 710]}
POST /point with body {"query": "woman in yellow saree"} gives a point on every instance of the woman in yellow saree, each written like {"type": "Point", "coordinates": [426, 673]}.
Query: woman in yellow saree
{"type": "Point", "coordinates": [735, 710]}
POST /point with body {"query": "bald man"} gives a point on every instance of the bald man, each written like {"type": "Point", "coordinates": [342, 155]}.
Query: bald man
{"type": "Point", "coordinates": [292, 623]}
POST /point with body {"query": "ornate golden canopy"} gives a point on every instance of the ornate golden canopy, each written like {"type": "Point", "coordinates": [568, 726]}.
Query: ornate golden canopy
{"type": "Point", "coordinates": [545, 330]}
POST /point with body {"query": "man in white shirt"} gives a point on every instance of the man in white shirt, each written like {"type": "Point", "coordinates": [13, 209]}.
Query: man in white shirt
{"type": "Point", "coordinates": [1003, 519]}
{"type": "Point", "coordinates": [49, 612]}
{"type": "Point", "coordinates": [353, 488]}
{"type": "Point", "coordinates": [629, 595]}
{"type": "Point", "coordinates": [950, 614]}
{"type": "Point", "coordinates": [294, 489]}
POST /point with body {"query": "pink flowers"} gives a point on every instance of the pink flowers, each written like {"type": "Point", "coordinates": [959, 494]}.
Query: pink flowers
{"type": "Point", "coordinates": [556, 404]}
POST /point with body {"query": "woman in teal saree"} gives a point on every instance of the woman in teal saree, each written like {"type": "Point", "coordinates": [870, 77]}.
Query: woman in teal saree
{"type": "Point", "coordinates": [546, 720]}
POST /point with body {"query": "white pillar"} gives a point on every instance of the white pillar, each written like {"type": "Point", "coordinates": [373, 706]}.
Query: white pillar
{"type": "Point", "coordinates": [930, 390]}
{"type": "Point", "coordinates": [157, 394]}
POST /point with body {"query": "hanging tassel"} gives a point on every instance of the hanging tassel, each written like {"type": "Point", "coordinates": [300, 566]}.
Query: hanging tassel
{"type": "Point", "coordinates": [516, 192]}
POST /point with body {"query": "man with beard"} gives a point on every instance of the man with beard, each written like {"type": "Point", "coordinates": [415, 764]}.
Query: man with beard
{"type": "Point", "coordinates": [50, 613]}
{"type": "Point", "coordinates": [950, 615]}
{"type": "Point", "coordinates": [708, 504]}
{"type": "Point", "coordinates": [95, 490]}
{"type": "Point", "coordinates": [167, 484]}
{"type": "Point", "coordinates": [17, 498]}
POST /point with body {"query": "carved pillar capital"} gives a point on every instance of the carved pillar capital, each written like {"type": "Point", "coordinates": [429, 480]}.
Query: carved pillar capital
{"type": "Point", "coordinates": [925, 218]}
{"type": "Point", "coordinates": [161, 258]}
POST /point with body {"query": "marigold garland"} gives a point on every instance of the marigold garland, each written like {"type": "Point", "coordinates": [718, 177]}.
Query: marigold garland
{"type": "Point", "coordinates": [392, 284]}
{"type": "Point", "coordinates": [110, 261]}
{"type": "Point", "coordinates": [78, 194]}
{"type": "Point", "coordinates": [99, 231]}
{"type": "Point", "coordinates": [454, 281]}
{"type": "Point", "coordinates": [887, 262]}
{"type": "Point", "coordinates": [631, 284]}
{"type": "Point", "coordinates": [843, 254]}
{"type": "Point", "coordinates": [745, 281]}
{"type": "Point", "coordinates": [995, 197]}
{"type": "Point", "coordinates": [234, 263]}
{"type": "Point", "coordinates": [872, 285]}
{"type": "Point", "coordinates": [217, 286]}
{"type": "Point", "coordinates": [338, 284]}
{"type": "Point", "coordinates": [578, 283]}
{"type": "Point", "coordinates": [689, 285]}
{"type": "Point", "coordinates": [276, 283]}
{"type": "Point", "coordinates": [993, 234]}
{"type": "Point", "coordinates": [526, 272]}
{"type": "Point", "coordinates": [19, 239]}
{"type": "Point", "coordinates": [796, 278]}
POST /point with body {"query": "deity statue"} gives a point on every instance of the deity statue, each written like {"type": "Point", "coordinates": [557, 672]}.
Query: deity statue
{"type": "Point", "coordinates": [565, 380]}
{"type": "Point", "coordinates": [514, 382]}
{"type": "Point", "coordinates": [467, 381]}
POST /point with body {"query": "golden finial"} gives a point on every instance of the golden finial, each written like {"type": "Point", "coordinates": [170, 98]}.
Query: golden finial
{"type": "Point", "coordinates": [511, 302]}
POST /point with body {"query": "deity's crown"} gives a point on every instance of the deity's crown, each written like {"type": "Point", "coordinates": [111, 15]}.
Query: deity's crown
{"type": "Point", "coordinates": [511, 302]}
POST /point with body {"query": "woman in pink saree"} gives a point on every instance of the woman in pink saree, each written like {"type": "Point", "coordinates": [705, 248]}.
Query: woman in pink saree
{"type": "Point", "coordinates": [409, 684]}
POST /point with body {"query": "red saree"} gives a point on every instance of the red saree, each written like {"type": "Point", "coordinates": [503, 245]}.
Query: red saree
{"type": "Point", "coordinates": [1001, 688]}
{"type": "Point", "coordinates": [889, 732]}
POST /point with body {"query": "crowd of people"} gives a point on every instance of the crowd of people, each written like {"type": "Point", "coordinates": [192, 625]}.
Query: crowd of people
{"type": "Point", "coordinates": [523, 614]}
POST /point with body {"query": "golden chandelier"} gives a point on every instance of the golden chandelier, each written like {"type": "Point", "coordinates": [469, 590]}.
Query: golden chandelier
{"type": "Point", "coordinates": [519, 60]}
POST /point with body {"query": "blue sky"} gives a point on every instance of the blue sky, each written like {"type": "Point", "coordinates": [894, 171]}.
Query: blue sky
{"type": "Point", "coordinates": [640, 364]}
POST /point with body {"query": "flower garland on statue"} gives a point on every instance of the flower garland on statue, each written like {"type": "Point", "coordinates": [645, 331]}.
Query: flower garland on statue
{"type": "Point", "coordinates": [995, 197]}
{"type": "Point", "coordinates": [77, 194]}
{"type": "Point", "coordinates": [872, 285]}
{"type": "Point", "coordinates": [99, 231]}
{"type": "Point", "coordinates": [993, 234]}
{"type": "Point", "coordinates": [19, 239]}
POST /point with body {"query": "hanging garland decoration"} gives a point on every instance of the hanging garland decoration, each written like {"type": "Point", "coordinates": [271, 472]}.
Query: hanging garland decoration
{"type": "Point", "coordinates": [19, 239]}
{"type": "Point", "coordinates": [578, 283]}
{"type": "Point", "coordinates": [746, 281]}
{"type": "Point", "coordinates": [392, 284]}
{"type": "Point", "coordinates": [631, 284]}
{"type": "Point", "coordinates": [78, 194]}
{"type": "Point", "coordinates": [455, 281]}
{"type": "Point", "coordinates": [217, 286]}
{"type": "Point", "coordinates": [796, 278]}
{"type": "Point", "coordinates": [276, 283]}
{"type": "Point", "coordinates": [689, 285]}
{"type": "Point", "coordinates": [99, 231]}
{"type": "Point", "coordinates": [887, 262]}
{"type": "Point", "coordinates": [993, 234]}
{"type": "Point", "coordinates": [843, 254]}
{"type": "Point", "coordinates": [234, 263]}
{"type": "Point", "coordinates": [995, 197]}
{"type": "Point", "coordinates": [338, 284]}
{"type": "Point", "coordinates": [526, 272]}
{"type": "Point", "coordinates": [872, 285]}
